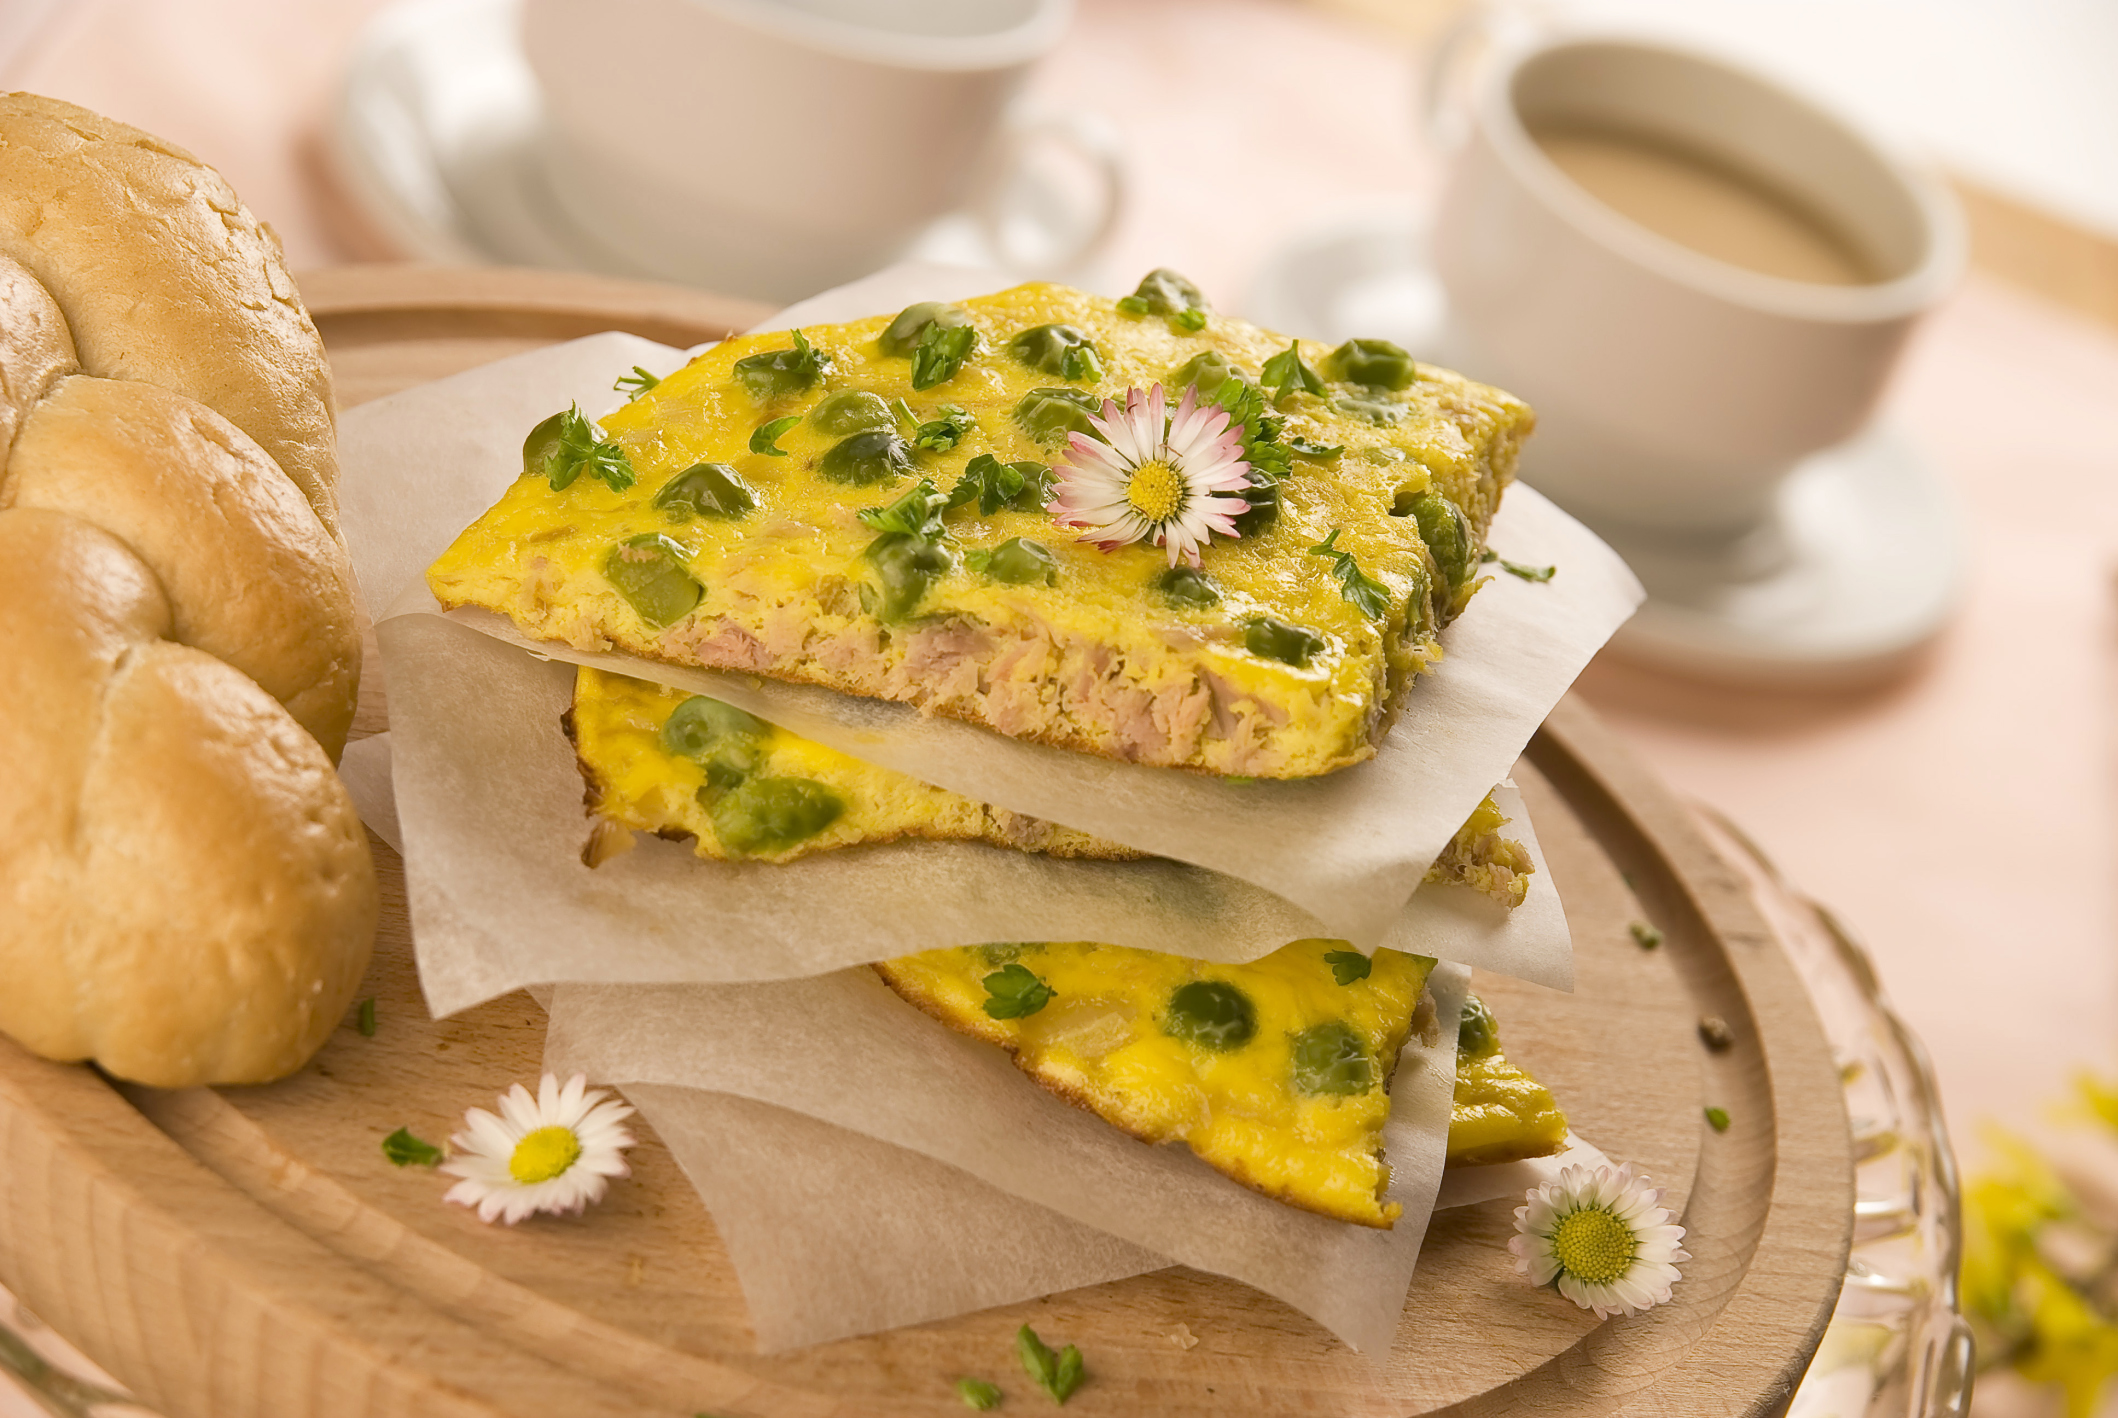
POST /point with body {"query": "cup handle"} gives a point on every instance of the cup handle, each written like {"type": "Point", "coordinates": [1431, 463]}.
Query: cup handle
{"type": "Point", "coordinates": [1443, 118]}
{"type": "Point", "coordinates": [1096, 142]}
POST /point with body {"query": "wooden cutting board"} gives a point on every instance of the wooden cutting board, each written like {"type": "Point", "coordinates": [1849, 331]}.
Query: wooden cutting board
{"type": "Point", "coordinates": [231, 1253]}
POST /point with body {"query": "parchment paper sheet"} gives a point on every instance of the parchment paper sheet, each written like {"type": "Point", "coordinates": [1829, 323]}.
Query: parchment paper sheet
{"type": "Point", "coordinates": [490, 809]}
{"type": "Point", "coordinates": [899, 1236]}
{"type": "Point", "coordinates": [429, 460]}
{"type": "Point", "coordinates": [843, 1049]}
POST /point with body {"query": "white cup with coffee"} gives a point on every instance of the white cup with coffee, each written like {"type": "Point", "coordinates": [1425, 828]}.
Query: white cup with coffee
{"type": "Point", "coordinates": [774, 147]}
{"type": "Point", "coordinates": [1697, 276]}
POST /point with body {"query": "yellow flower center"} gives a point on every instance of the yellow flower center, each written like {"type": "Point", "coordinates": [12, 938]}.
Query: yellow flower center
{"type": "Point", "coordinates": [543, 1155]}
{"type": "Point", "coordinates": [1593, 1245]}
{"type": "Point", "coordinates": [1156, 491]}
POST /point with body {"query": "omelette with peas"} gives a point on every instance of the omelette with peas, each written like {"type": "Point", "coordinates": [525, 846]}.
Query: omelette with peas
{"type": "Point", "coordinates": [1130, 528]}
{"type": "Point", "coordinates": [1134, 529]}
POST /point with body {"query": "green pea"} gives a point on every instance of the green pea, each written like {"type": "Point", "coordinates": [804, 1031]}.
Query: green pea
{"type": "Point", "coordinates": [1445, 530]}
{"type": "Point", "coordinates": [1021, 563]}
{"type": "Point", "coordinates": [907, 567]}
{"type": "Point", "coordinates": [650, 572]}
{"type": "Point", "coordinates": [851, 411]}
{"type": "Point", "coordinates": [1064, 350]}
{"type": "Point", "coordinates": [706, 490]}
{"type": "Point", "coordinates": [776, 374]}
{"type": "Point", "coordinates": [1206, 371]}
{"type": "Point", "coordinates": [912, 322]}
{"type": "Point", "coordinates": [865, 459]}
{"type": "Point", "coordinates": [1187, 586]}
{"type": "Point", "coordinates": [1163, 292]}
{"type": "Point", "coordinates": [764, 815]}
{"type": "Point", "coordinates": [1212, 1014]}
{"type": "Point", "coordinates": [1477, 1032]}
{"type": "Point", "coordinates": [544, 443]}
{"type": "Point", "coordinates": [1049, 415]}
{"type": "Point", "coordinates": [1378, 409]}
{"type": "Point", "coordinates": [1275, 639]}
{"type": "Point", "coordinates": [700, 727]}
{"type": "Point", "coordinates": [1331, 1061]}
{"type": "Point", "coordinates": [1378, 364]}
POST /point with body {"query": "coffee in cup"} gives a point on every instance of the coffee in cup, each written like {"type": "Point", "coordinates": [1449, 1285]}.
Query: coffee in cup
{"type": "Point", "coordinates": [1697, 276]}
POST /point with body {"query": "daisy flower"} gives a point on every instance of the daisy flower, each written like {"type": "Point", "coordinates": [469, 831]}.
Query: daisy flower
{"type": "Point", "coordinates": [555, 1152]}
{"type": "Point", "coordinates": [1599, 1233]}
{"type": "Point", "coordinates": [1171, 479]}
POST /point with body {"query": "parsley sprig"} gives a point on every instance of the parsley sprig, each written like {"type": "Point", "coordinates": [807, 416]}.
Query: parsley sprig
{"type": "Point", "coordinates": [567, 445]}
{"type": "Point", "coordinates": [1287, 373]}
{"type": "Point", "coordinates": [916, 514]}
{"type": "Point", "coordinates": [1348, 965]}
{"type": "Point", "coordinates": [945, 430]}
{"type": "Point", "coordinates": [1015, 992]}
{"type": "Point", "coordinates": [941, 351]}
{"type": "Point", "coordinates": [1364, 591]}
{"type": "Point", "coordinates": [633, 385]}
{"type": "Point", "coordinates": [1057, 1374]}
{"type": "Point", "coordinates": [992, 484]}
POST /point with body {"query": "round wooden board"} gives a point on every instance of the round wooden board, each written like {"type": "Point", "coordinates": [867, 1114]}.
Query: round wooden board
{"type": "Point", "coordinates": [247, 1251]}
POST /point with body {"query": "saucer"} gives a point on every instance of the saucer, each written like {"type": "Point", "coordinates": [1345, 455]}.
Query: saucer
{"type": "Point", "coordinates": [1862, 563]}
{"type": "Point", "coordinates": [438, 139]}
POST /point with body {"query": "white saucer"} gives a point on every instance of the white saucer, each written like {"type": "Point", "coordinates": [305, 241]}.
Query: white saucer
{"type": "Point", "coordinates": [1864, 562]}
{"type": "Point", "coordinates": [438, 135]}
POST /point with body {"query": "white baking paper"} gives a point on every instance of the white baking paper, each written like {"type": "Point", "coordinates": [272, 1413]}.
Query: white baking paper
{"type": "Point", "coordinates": [489, 808]}
{"type": "Point", "coordinates": [846, 1051]}
{"type": "Point", "coordinates": [427, 461]}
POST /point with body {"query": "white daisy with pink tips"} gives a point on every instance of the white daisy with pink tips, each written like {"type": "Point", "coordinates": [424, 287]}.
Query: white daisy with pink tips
{"type": "Point", "coordinates": [1172, 479]}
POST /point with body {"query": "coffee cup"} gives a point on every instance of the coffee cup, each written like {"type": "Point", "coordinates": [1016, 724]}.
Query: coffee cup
{"type": "Point", "coordinates": [773, 147]}
{"type": "Point", "coordinates": [1683, 359]}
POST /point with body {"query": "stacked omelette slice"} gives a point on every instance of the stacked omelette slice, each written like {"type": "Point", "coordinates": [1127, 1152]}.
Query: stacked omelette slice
{"type": "Point", "coordinates": [863, 506]}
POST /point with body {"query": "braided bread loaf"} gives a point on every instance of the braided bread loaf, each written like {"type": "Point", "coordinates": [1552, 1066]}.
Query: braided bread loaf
{"type": "Point", "coordinates": [185, 890]}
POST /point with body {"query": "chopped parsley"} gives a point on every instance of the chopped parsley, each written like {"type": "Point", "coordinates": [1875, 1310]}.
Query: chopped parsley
{"type": "Point", "coordinates": [1348, 965]}
{"type": "Point", "coordinates": [1371, 596]}
{"type": "Point", "coordinates": [978, 1394]}
{"type": "Point", "coordinates": [992, 484]}
{"type": "Point", "coordinates": [1057, 1374]}
{"type": "Point", "coordinates": [916, 514]}
{"type": "Point", "coordinates": [405, 1150]}
{"type": "Point", "coordinates": [1016, 993]}
{"type": "Point", "coordinates": [766, 438]}
{"type": "Point", "coordinates": [633, 385]}
{"type": "Point", "coordinates": [365, 1020]}
{"type": "Point", "coordinates": [1717, 1119]}
{"type": "Point", "coordinates": [1516, 568]}
{"type": "Point", "coordinates": [1286, 373]}
{"type": "Point", "coordinates": [941, 351]}
{"type": "Point", "coordinates": [945, 430]}
{"type": "Point", "coordinates": [1645, 936]}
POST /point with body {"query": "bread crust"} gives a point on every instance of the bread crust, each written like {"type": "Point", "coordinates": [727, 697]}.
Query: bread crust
{"type": "Point", "coordinates": [251, 575]}
{"type": "Point", "coordinates": [164, 276]}
{"type": "Point", "coordinates": [188, 895]}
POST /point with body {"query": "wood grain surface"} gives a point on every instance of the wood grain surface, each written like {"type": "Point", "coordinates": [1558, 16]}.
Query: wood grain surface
{"type": "Point", "coordinates": [242, 1252]}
